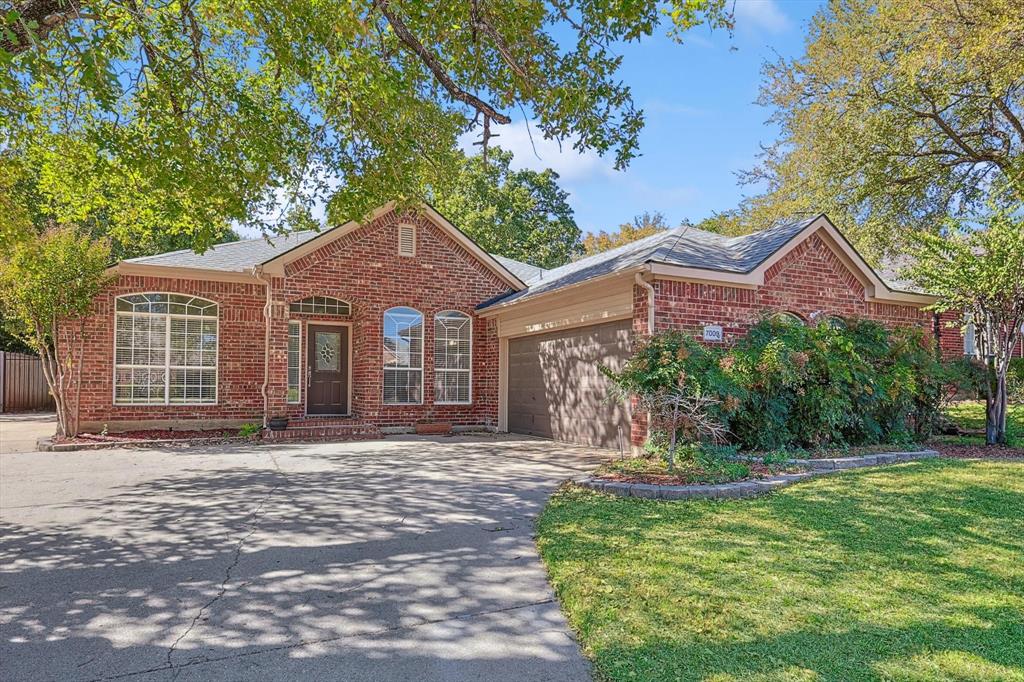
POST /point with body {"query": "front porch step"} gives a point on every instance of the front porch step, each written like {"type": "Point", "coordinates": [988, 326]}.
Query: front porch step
{"type": "Point", "coordinates": [326, 428]}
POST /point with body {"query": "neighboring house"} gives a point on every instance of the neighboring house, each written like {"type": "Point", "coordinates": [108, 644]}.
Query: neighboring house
{"type": "Point", "coordinates": [377, 326]}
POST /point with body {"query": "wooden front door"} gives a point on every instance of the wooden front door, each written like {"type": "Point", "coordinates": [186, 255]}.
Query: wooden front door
{"type": "Point", "coordinates": [327, 367]}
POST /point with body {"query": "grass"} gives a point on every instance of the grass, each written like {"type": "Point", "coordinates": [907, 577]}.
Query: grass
{"type": "Point", "coordinates": [912, 573]}
{"type": "Point", "coordinates": [970, 414]}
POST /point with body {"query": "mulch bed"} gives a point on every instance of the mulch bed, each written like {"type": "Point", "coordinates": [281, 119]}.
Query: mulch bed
{"type": "Point", "coordinates": [757, 470]}
{"type": "Point", "coordinates": [977, 451]}
{"type": "Point", "coordinates": [148, 435]}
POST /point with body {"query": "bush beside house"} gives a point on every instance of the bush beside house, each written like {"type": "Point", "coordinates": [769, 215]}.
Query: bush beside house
{"type": "Point", "coordinates": [787, 385]}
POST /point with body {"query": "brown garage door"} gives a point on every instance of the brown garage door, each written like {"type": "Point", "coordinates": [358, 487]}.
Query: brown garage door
{"type": "Point", "coordinates": [555, 389]}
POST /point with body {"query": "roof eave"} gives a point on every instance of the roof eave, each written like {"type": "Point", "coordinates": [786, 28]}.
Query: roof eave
{"type": "Point", "coordinates": [178, 272]}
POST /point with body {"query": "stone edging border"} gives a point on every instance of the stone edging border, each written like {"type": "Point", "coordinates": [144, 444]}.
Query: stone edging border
{"type": "Point", "coordinates": [753, 488]}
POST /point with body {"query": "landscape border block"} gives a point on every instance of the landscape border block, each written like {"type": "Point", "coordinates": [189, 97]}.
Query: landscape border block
{"type": "Point", "coordinates": [752, 488]}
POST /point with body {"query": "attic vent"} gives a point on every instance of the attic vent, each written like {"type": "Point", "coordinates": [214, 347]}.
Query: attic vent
{"type": "Point", "coordinates": [406, 240]}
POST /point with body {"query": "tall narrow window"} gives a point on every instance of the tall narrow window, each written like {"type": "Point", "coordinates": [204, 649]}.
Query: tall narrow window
{"type": "Point", "coordinates": [403, 357]}
{"type": "Point", "coordinates": [453, 357]}
{"type": "Point", "coordinates": [970, 347]}
{"type": "Point", "coordinates": [165, 350]}
{"type": "Point", "coordinates": [294, 360]}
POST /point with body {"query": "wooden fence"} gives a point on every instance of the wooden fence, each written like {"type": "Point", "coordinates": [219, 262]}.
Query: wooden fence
{"type": "Point", "coordinates": [22, 384]}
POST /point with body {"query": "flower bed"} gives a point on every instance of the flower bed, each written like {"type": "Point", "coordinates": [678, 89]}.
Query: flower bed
{"type": "Point", "coordinates": [147, 435]}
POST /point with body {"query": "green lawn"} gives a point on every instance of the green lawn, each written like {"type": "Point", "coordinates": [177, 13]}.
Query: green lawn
{"type": "Point", "coordinates": [912, 573]}
{"type": "Point", "coordinates": [970, 414]}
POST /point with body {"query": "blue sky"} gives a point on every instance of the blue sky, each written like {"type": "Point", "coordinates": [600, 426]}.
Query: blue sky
{"type": "Point", "coordinates": [703, 124]}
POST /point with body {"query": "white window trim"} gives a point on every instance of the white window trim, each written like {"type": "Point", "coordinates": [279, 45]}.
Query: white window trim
{"type": "Point", "coordinates": [297, 401]}
{"type": "Point", "coordinates": [459, 371]}
{"type": "Point", "coordinates": [423, 341]}
{"type": "Point", "coordinates": [167, 355]}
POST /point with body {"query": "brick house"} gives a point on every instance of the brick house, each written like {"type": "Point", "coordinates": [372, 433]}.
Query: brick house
{"type": "Point", "coordinates": [373, 327]}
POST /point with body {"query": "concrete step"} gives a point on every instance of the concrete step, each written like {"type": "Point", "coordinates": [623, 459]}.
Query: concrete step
{"type": "Point", "coordinates": [325, 428]}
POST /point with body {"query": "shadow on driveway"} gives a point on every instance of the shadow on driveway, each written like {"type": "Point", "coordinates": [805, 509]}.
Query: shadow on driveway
{"type": "Point", "coordinates": [363, 561]}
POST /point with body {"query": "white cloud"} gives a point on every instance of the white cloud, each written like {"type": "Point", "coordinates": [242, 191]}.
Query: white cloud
{"type": "Point", "coordinates": [541, 153]}
{"type": "Point", "coordinates": [761, 14]}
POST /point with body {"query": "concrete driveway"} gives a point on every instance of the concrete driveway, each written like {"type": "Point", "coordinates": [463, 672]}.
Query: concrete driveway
{"type": "Point", "coordinates": [382, 560]}
{"type": "Point", "coordinates": [19, 431]}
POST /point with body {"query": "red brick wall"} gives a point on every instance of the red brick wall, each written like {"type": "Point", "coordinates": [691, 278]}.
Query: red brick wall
{"type": "Point", "coordinates": [362, 268]}
{"type": "Point", "coordinates": [951, 337]}
{"type": "Point", "coordinates": [809, 280]}
{"type": "Point", "coordinates": [239, 357]}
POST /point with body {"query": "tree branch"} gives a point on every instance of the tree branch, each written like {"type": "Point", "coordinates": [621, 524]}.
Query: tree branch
{"type": "Point", "coordinates": [45, 15]}
{"type": "Point", "coordinates": [431, 62]}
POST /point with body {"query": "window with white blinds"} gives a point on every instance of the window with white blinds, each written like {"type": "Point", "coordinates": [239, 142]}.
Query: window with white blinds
{"type": "Point", "coordinates": [403, 357]}
{"type": "Point", "coordinates": [453, 357]}
{"type": "Point", "coordinates": [294, 360]}
{"type": "Point", "coordinates": [165, 350]}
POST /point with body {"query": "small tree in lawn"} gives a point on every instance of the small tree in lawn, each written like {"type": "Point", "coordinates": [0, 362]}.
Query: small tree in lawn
{"type": "Point", "coordinates": [47, 283]}
{"type": "Point", "coordinates": [981, 272]}
{"type": "Point", "coordinates": [677, 413]}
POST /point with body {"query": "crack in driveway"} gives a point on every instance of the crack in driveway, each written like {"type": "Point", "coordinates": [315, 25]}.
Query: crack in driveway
{"type": "Point", "coordinates": [324, 640]}
{"type": "Point", "coordinates": [255, 517]}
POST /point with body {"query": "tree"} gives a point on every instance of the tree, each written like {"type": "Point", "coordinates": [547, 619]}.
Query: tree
{"type": "Point", "coordinates": [520, 214]}
{"type": "Point", "coordinates": [643, 225]}
{"type": "Point", "coordinates": [48, 284]}
{"type": "Point", "coordinates": [899, 115]}
{"type": "Point", "coordinates": [981, 273]}
{"type": "Point", "coordinates": [32, 198]}
{"type": "Point", "coordinates": [213, 113]}
{"type": "Point", "coordinates": [676, 412]}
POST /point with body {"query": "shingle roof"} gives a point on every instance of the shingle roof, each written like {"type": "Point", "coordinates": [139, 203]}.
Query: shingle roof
{"type": "Point", "coordinates": [243, 255]}
{"type": "Point", "coordinates": [685, 246]}
{"type": "Point", "coordinates": [524, 271]}
{"type": "Point", "coordinates": [232, 256]}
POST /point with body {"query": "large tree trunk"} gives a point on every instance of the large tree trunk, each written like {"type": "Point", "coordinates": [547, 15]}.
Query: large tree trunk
{"type": "Point", "coordinates": [995, 429]}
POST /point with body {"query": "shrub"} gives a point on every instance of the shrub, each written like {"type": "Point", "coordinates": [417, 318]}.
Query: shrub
{"type": "Point", "coordinates": [1015, 381]}
{"type": "Point", "coordinates": [786, 385]}
{"type": "Point", "coordinates": [248, 430]}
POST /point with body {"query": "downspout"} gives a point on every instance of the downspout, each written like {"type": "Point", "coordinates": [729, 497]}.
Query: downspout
{"type": "Point", "coordinates": [650, 301]}
{"type": "Point", "coordinates": [639, 279]}
{"type": "Point", "coordinates": [257, 272]}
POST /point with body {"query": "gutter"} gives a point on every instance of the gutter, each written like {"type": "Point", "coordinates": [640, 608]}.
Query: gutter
{"type": "Point", "coordinates": [639, 279]}
{"type": "Point", "coordinates": [257, 272]}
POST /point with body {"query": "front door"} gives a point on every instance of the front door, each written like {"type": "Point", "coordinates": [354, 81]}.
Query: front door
{"type": "Point", "coordinates": [327, 367]}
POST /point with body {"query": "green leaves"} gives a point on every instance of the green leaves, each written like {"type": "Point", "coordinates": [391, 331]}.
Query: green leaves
{"type": "Point", "coordinates": [520, 214]}
{"type": "Point", "coordinates": [786, 385]}
{"type": "Point", "coordinates": [900, 114]}
{"type": "Point", "coordinates": [211, 113]}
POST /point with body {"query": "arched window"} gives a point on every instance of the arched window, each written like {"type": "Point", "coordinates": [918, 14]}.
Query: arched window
{"type": "Point", "coordinates": [453, 357]}
{"type": "Point", "coordinates": [403, 357]}
{"type": "Point", "coordinates": [321, 305]}
{"type": "Point", "coordinates": [787, 318]}
{"type": "Point", "coordinates": [165, 350]}
{"type": "Point", "coordinates": [835, 322]}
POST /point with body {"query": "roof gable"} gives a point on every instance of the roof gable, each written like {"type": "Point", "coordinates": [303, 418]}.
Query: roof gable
{"type": "Point", "coordinates": [687, 252]}
{"type": "Point", "coordinates": [276, 264]}
{"type": "Point", "coordinates": [234, 260]}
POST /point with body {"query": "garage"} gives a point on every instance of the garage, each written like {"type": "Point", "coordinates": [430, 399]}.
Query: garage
{"type": "Point", "coordinates": [556, 389]}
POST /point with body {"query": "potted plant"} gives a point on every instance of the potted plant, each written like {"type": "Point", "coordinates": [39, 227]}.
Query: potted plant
{"type": "Point", "coordinates": [278, 423]}
{"type": "Point", "coordinates": [426, 427]}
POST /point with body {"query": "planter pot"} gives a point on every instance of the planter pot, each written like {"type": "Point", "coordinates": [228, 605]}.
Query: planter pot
{"type": "Point", "coordinates": [433, 429]}
{"type": "Point", "coordinates": [278, 423]}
